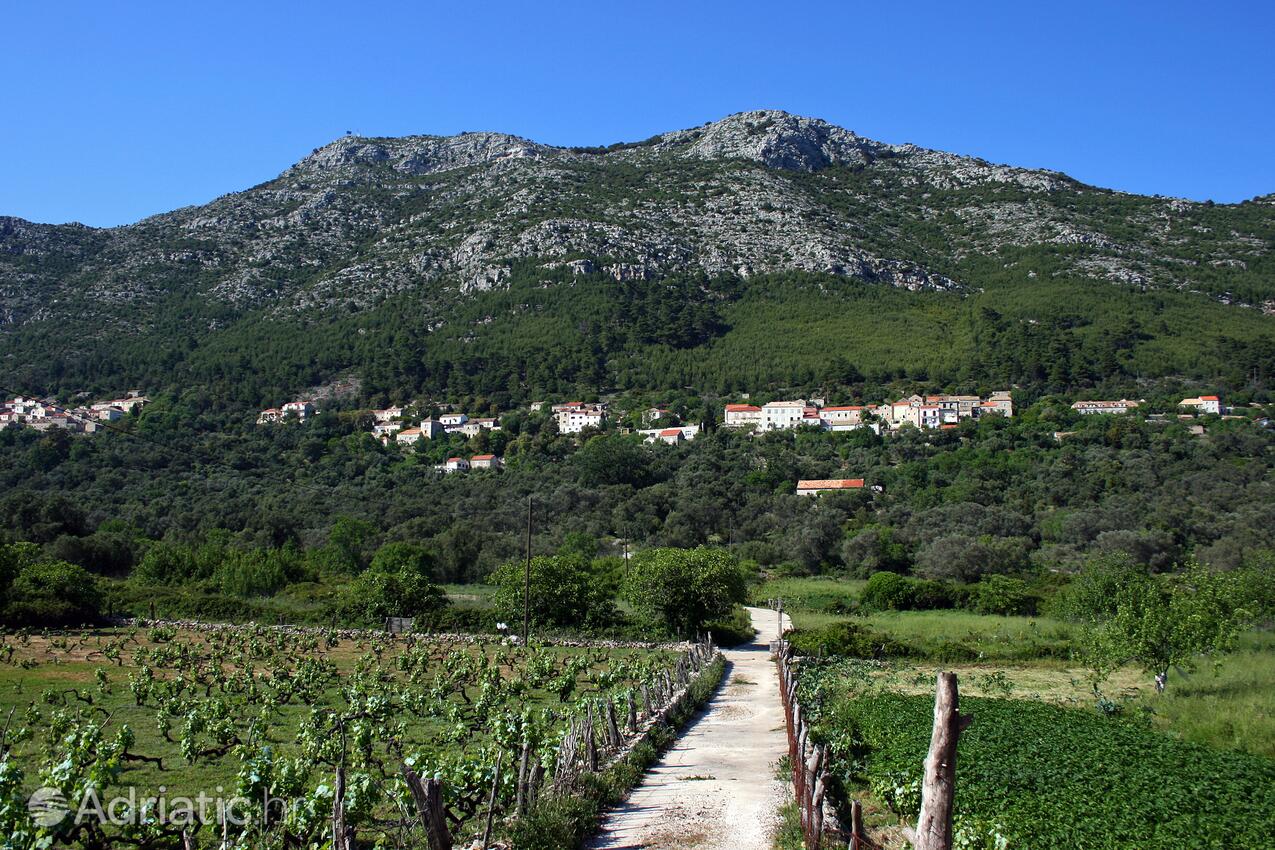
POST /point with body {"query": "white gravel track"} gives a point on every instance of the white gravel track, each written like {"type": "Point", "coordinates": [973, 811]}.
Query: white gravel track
{"type": "Point", "coordinates": [716, 787]}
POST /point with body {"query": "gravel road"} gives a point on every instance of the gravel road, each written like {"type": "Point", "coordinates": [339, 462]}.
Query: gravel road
{"type": "Point", "coordinates": [716, 787]}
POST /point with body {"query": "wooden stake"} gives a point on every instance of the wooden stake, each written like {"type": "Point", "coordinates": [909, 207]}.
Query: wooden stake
{"type": "Point", "coordinates": [428, 796]}
{"type": "Point", "coordinates": [934, 826]}
{"type": "Point", "coordinates": [526, 588]}
{"type": "Point", "coordinates": [491, 803]}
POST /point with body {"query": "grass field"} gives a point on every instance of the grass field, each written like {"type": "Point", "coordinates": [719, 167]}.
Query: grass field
{"type": "Point", "coordinates": [1227, 703]}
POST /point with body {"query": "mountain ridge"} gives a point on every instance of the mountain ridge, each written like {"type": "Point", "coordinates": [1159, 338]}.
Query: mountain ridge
{"type": "Point", "coordinates": [439, 220]}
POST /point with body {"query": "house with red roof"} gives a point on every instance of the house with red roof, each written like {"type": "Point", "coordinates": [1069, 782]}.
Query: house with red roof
{"type": "Point", "coordinates": [1203, 404]}
{"type": "Point", "coordinates": [816, 486]}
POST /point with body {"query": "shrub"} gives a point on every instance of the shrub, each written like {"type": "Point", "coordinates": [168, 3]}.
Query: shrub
{"type": "Point", "coordinates": [52, 594]}
{"type": "Point", "coordinates": [893, 592]}
{"type": "Point", "coordinates": [377, 594]}
{"type": "Point", "coordinates": [734, 629]}
{"type": "Point", "coordinates": [852, 640]}
{"type": "Point", "coordinates": [1001, 595]}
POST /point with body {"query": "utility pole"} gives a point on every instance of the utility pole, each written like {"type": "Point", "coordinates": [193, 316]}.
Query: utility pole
{"type": "Point", "coordinates": [526, 585]}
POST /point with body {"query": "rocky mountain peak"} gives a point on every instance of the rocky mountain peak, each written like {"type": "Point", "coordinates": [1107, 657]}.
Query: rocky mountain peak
{"type": "Point", "coordinates": [417, 154]}
{"type": "Point", "coordinates": [777, 139]}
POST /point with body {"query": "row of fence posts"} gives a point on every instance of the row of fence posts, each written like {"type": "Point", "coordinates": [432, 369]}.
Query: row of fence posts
{"type": "Point", "coordinates": [810, 768]}
{"type": "Point", "coordinates": [593, 741]}
{"type": "Point", "coordinates": [809, 761]}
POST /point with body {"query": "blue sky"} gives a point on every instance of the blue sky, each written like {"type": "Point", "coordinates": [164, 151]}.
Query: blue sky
{"type": "Point", "coordinates": [115, 111]}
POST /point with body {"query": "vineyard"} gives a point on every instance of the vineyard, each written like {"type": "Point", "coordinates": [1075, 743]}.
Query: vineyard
{"type": "Point", "coordinates": [1035, 775]}
{"type": "Point", "coordinates": [309, 738]}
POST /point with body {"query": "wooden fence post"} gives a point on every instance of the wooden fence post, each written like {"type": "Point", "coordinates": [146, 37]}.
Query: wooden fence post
{"type": "Point", "coordinates": [491, 803]}
{"type": "Point", "coordinates": [934, 826]}
{"type": "Point", "coordinates": [428, 796]}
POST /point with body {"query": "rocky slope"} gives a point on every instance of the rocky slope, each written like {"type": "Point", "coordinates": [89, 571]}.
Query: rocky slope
{"type": "Point", "coordinates": [363, 218]}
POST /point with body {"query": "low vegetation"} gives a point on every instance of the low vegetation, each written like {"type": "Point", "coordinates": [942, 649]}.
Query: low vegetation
{"type": "Point", "coordinates": [247, 711]}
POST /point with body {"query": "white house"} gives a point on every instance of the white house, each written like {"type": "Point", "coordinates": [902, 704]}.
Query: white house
{"type": "Point", "coordinates": [388, 414]}
{"type": "Point", "coordinates": [409, 436]}
{"type": "Point", "coordinates": [456, 464]}
{"type": "Point", "coordinates": [299, 409]}
{"type": "Point", "coordinates": [1089, 408]}
{"type": "Point", "coordinates": [485, 462]}
{"type": "Point", "coordinates": [576, 416]}
{"type": "Point", "coordinates": [1000, 402]}
{"type": "Point", "coordinates": [665, 435]}
{"type": "Point", "coordinates": [815, 486]}
{"type": "Point", "coordinates": [778, 415]}
{"type": "Point", "coordinates": [1203, 404]}
{"type": "Point", "coordinates": [453, 420]}
{"type": "Point", "coordinates": [126, 404]}
{"type": "Point", "coordinates": [270, 414]}
{"type": "Point", "coordinates": [473, 426]}
{"type": "Point", "coordinates": [742, 416]}
{"type": "Point", "coordinates": [385, 429]}
{"type": "Point", "coordinates": [843, 417]}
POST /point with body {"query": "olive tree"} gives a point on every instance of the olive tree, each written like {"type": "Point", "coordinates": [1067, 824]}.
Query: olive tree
{"type": "Point", "coordinates": [685, 588]}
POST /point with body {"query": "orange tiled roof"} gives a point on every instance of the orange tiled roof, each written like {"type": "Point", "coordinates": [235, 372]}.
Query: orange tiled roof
{"type": "Point", "coordinates": [830, 484]}
{"type": "Point", "coordinates": [742, 408]}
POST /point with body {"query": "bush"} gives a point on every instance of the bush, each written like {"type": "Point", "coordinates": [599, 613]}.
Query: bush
{"type": "Point", "coordinates": [734, 629]}
{"type": "Point", "coordinates": [378, 594]}
{"type": "Point", "coordinates": [893, 592]}
{"type": "Point", "coordinates": [851, 640]}
{"type": "Point", "coordinates": [1001, 595]}
{"type": "Point", "coordinates": [53, 594]}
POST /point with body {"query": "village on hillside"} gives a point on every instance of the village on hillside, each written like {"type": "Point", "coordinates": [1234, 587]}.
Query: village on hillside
{"type": "Point", "coordinates": [411, 425]}
{"type": "Point", "coordinates": [46, 414]}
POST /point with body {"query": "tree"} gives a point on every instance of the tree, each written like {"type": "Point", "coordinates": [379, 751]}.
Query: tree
{"type": "Point", "coordinates": [350, 537]}
{"type": "Point", "coordinates": [564, 592]}
{"type": "Point", "coordinates": [1156, 622]}
{"type": "Point", "coordinates": [614, 459]}
{"type": "Point", "coordinates": [405, 591]}
{"type": "Point", "coordinates": [684, 588]}
{"type": "Point", "coordinates": [52, 594]}
{"type": "Point", "coordinates": [404, 557]}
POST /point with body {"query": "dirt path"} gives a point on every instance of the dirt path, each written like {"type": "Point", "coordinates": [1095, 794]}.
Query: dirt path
{"type": "Point", "coordinates": [716, 787]}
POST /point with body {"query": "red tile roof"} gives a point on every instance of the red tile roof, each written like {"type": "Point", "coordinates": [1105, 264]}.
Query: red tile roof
{"type": "Point", "coordinates": [742, 408]}
{"type": "Point", "coordinates": [671, 432]}
{"type": "Point", "coordinates": [483, 457]}
{"type": "Point", "coordinates": [830, 484]}
{"type": "Point", "coordinates": [1208, 398]}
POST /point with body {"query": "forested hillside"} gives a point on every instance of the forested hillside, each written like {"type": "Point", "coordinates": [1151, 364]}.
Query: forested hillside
{"type": "Point", "coordinates": [315, 501]}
